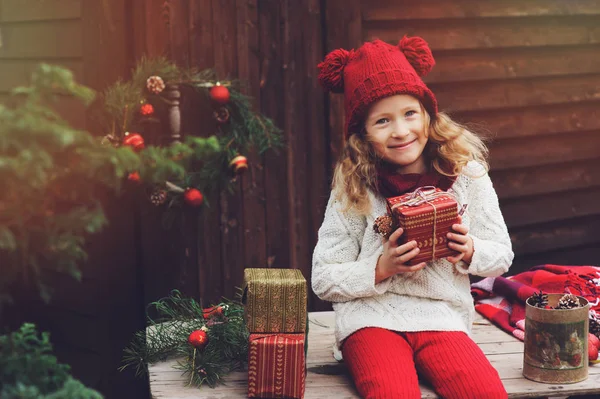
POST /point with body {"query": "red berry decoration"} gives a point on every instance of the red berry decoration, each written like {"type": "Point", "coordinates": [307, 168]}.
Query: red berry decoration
{"type": "Point", "coordinates": [193, 197]}
{"type": "Point", "coordinates": [134, 140]}
{"type": "Point", "coordinates": [219, 94]}
{"type": "Point", "coordinates": [198, 339]}
{"type": "Point", "coordinates": [147, 109]}
{"type": "Point", "coordinates": [239, 164]}
{"type": "Point", "coordinates": [134, 176]}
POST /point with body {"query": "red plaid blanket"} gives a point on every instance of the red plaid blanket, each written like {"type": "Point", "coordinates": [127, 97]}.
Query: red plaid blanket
{"type": "Point", "coordinates": [502, 299]}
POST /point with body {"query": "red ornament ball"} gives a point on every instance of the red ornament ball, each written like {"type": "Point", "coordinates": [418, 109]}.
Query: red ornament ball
{"type": "Point", "coordinates": [219, 94]}
{"type": "Point", "coordinates": [134, 177]}
{"type": "Point", "coordinates": [134, 140]}
{"type": "Point", "coordinates": [239, 164]}
{"type": "Point", "coordinates": [198, 339]}
{"type": "Point", "coordinates": [193, 197]}
{"type": "Point", "coordinates": [147, 109]}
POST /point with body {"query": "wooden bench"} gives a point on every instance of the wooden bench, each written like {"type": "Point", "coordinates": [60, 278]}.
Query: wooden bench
{"type": "Point", "coordinates": [328, 379]}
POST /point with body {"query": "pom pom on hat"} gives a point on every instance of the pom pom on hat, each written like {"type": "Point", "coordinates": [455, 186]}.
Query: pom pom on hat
{"type": "Point", "coordinates": [331, 75]}
{"type": "Point", "coordinates": [417, 52]}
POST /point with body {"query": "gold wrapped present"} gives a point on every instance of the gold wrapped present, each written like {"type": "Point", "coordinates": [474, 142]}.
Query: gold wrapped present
{"type": "Point", "coordinates": [275, 300]}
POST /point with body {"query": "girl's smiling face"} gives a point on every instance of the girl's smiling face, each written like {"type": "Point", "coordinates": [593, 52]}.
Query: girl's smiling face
{"type": "Point", "coordinates": [396, 128]}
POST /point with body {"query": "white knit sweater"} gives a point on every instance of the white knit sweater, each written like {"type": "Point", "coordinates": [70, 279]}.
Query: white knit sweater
{"type": "Point", "coordinates": [436, 298]}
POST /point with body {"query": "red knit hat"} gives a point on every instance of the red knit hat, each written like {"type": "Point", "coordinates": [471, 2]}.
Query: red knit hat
{"type": "Point", "coordinates": [375, 71]}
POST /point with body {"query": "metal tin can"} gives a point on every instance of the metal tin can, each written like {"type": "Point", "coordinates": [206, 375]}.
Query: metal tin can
{"type": "Point", "coordinates": [556, 342]}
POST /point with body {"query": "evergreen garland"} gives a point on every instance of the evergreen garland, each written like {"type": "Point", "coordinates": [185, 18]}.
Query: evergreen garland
{"type": "Point", "coordinates": [198, 162]}
{"type": "Point", "coordinates": [167, 337]}
{"type": "Point", "coordinates": [29, 370]}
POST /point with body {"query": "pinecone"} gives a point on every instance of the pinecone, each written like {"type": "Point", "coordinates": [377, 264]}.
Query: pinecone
{"type": "Point", "coordinates": [595, 326]}
{"type": "Point", "coordinates": [155, 84]}
{"type": "Point", "coordinates": [568, 301]}
{"type": "Point", "coordinates": [158, 197]}
{"type": "Point", "coordinates": [539, 300]}
{"type": "Point", "coordinates": [384, 225]}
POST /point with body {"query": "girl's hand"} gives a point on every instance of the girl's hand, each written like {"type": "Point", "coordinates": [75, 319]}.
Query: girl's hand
{"type": "Point", "coordinates": [394, 257]}
{"type": "Point", "coordinates": [460, 241]}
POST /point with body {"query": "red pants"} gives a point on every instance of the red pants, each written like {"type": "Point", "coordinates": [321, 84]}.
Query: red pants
{"type": "Point", "coordinates": [384, 364]}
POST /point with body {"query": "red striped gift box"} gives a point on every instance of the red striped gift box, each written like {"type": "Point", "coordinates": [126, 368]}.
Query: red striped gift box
{"type": "Point", "coordinates": [276, 366]}
{"type": "Point", "coordinates": [427, 216]}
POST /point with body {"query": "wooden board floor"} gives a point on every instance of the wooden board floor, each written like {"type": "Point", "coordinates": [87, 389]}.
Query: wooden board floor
{"type": "Point", "coordinates": [328, 379]}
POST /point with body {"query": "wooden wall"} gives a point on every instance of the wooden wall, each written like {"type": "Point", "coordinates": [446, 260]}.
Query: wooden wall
{"type": "Point", "coordinates": [272, 220]}
{"type": "Point", "coordinates": [528, 73]}
{"type": "Point", "coordinates": [525, 73]}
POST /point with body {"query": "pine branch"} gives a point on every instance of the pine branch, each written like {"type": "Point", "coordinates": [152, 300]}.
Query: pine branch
{"type": "Point", "coordinates": [167, 336]}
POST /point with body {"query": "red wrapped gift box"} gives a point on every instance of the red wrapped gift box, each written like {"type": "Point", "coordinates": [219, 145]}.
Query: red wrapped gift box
{"type": "Point", "coordinates": [427, 216]}
{"type": "Point", "coordinates": [276, 366]}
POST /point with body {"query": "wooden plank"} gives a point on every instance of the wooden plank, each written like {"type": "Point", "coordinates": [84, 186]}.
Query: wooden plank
{"type": "Point", "coordinates": [226, 65]}
{"type": "Point", "coordinates": [555, 236]}
{"type": "Point", "coordinates": [201, 33]}
{"type": "Point", "coordinates": [209, 234]}
{"type": "Point", "coordinates": [304, 122]}
{"type": "Point", "coordinates": [469, 65]}
{"type": "Point", "coordinates": [391, 10]}
{"type": "Point", "coordinates": [150, 28]}
{"type": "Point", "coordinates": [544, 150]}
{"type": "Point", "coordinates": [273, 69]}
{"type": "Point", "coordinates": [470, 96]}
{"type": "Point", "coordinates": [328, 378]}
{"type": "Point", "coordinates": [546, 179]}
{"type": "Point", "coordinates": [295, 128]}
{"type": "Point", "coordinates": [18, 72]}
{"type": "Point", "coordinates": [344, 30]}
{"type": "Point", "coordinates": [318, 161]}
{"type": "Point", "coordinates": [490, 33]}
{"type": "Point", "coordinates": [551, 207]}
{"type": "Point", "coordinates": [176, 17]}
{"type": "Point", "coordinates": [534, 120]}
{"type": "Point", "coordinates": [253, 182]}
{"type": "Point", "coordinates": [49, 40]}
{"type": "Point", "coordinates": [39, 10]}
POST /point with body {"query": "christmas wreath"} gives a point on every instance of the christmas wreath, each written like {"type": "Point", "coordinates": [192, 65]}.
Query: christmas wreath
{"type": "Point", "coordinates": [183, 171]}
{"type": "Point", "coordinates": [210, 342]}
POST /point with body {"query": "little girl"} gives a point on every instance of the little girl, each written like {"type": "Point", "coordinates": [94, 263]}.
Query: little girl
{"type": "Point", "coordinates": [395, 322]}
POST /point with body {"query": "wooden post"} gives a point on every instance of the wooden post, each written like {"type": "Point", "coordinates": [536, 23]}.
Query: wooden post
{"type": "Point", "coordinates": [172, 95]}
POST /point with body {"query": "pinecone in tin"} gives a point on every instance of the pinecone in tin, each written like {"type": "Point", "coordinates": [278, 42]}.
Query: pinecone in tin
{"type": "Point", "coordinates": [595, 325]}
{"type": "Point", "coordinates": [568, 301]}
{"type": "Point", "coordinates": [384, 225]}
{"type": "Point", "coordinates": [158, 197]}
{"type": "Point", "coordinates": [539, 300]}
{"type": "Point", "coordinates": [155, 84]}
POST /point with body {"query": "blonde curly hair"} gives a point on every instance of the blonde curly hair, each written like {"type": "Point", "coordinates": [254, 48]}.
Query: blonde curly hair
{"type": "Point", "coordinates": [449, 148]}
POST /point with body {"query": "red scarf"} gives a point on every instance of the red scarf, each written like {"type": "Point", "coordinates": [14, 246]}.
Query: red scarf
{"type": "Point", "coordinates": [392, 184]}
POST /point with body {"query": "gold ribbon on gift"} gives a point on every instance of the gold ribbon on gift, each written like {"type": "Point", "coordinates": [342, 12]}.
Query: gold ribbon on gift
{"type": "Point", "coordinates": [426, 195]}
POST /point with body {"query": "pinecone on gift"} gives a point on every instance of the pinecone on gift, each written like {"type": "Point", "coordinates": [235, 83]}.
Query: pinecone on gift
{"type": "Point", "coordinates": [539, 300]}
{"type": "Point", "coordinates": [595, 325]}
{"type": "Point", "coordinates": [568, 301]}
{"type": "Point", "coordinates": [384, 225]}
